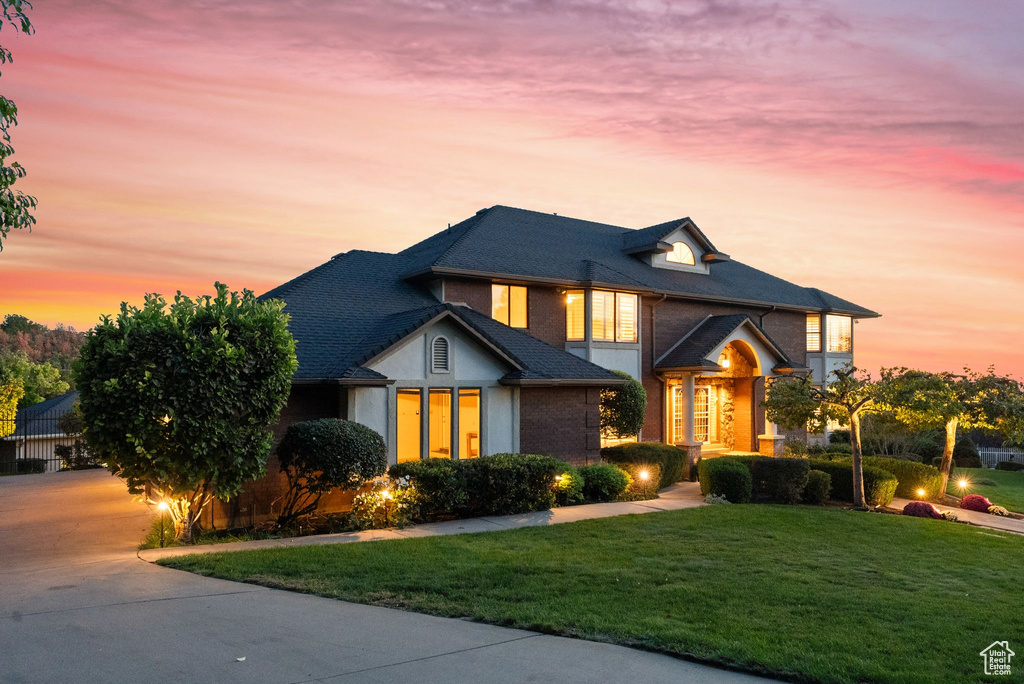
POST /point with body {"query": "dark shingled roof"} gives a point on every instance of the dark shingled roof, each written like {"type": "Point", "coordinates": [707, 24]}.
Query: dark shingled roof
{"type": "Point", "coordinates": [694, 347]}
{"type": "Point", "coordinates": [531, 245]}
{"type": "Point", "coordinates": [350, 309]}
{"type": "Point", "coordinates": [41, 419]}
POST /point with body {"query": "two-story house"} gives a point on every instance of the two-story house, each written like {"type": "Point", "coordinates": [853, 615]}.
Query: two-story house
{"type": "Point", "coordinates": [497, 335]}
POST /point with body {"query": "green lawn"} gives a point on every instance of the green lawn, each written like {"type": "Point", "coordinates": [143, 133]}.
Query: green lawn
{"type": "Point", "coordinates": [813, 594]}
{"type": "Point", "coordinates": [1008, 490]}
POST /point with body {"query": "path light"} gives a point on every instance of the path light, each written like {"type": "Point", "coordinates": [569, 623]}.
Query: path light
{"type": "Point", "coordinates": [386, 494]}
{"type": "Point", "coordinates": [921, 493]}
{"type": "Point", "coordinates": [163, 507]}
{"type": "Point", "coordinates": [644, 475]}
{"type": "Point", "coordinates": [962, 483]}
{"type": "Point", "coordinates": [558, 478]}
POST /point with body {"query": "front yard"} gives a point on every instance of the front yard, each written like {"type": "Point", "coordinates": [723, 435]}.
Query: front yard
{"type": "Point", "coordinates": [1007, 490]}
{"type": "Point", "coordinates": [806, 593]}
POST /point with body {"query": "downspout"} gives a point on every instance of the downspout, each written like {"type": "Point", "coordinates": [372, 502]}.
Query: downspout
{"type": "Point", "coordinates": [664, 385]}
{"type": "Point", "coordinates": [760, 318]}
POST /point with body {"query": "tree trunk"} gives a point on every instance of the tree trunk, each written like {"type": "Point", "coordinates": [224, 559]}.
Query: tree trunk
{"type": "Point", "coordinates": [947, 454]}
{"type": "Point", "coordinates": [858, 461]}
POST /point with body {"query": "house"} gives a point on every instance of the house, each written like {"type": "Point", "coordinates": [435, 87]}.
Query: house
{"type": "Point", "coordinates": [37, 435]}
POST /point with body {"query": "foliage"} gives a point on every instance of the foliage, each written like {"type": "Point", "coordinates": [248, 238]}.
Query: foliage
{"type": "Point", "coordinates": [41, 381]}
{"type": "Point", "coordinates": [439, 487]}
{"type": "Point", "coordinates": [178, 401]}
{"type": "Point", "coordinates": [383, 505]}
{"type": "Point", "coordinates": [318, 456]}
{"type": "Point", "coordinates": [884, 434]}
{"type": "Point", "coordinates": [818, 488]}
{"type": "Point", "coordinates": [669, 458]}
{"type": "Point", "coordinates": [1010, 465]}
{"type": "Point", "coordinates": [795, 447]}
{"type": "Point", "coordinates": [623, 408]}
{"type": "Point", "coordinates": [975, 502]}
{"type": "Point", "coordinates": [568, 487]}
{"type": "Point", "coordinates": [75, 456]}
{"type": "Point", "coordinates": [728, 477]}
{"type": "Point", "coordinates": [951, 516]}
{"type": "Point", "coordinates": [781, 480]}
{"type": "Point", "coordinates": [922, 509]}
{"type": "Point", "coordinates": [604, 482]}
{"type": "Point", "coordinates": [11, 390]}
{"type": "Point", "coordinates": [795, 402]}
{"type": "Point", "coordinates": [965, 454]}
{"type": "Point", "coordinates": [58, 347]}
{"type": "Point", "coordinates": [643, 481]}
{"type": "Point", "coordinates": [506, 484]}
{"type": "Point", "coordinates": [912, 476]}
{"type": "Point", "coordinates": [998, 510]}
{"type": "Point", "coordinates": [839, 437]}
{"type": "Point", "coordinates": [879, 485]}
{"type": "Point", "coordinates": [15, 206]}
{"type": "Point", "coordinates": [715, 499]}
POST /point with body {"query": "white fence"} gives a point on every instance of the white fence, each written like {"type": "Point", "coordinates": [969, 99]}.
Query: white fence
{"type": "Point", "coordinates": [990, 456]}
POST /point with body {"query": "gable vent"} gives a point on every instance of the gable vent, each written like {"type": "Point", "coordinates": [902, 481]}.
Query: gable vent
{"type": "Point", "coordinates": [440, 358]}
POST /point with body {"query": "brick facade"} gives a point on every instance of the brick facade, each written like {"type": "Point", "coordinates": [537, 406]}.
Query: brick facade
{"type": "Point", "coordinates": [563, 422]}
{"type": "Point", "coordinates": [545, 306]}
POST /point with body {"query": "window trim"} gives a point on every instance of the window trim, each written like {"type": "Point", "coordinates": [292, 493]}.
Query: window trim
{"type": "Point", "coordinates": [682, 262]}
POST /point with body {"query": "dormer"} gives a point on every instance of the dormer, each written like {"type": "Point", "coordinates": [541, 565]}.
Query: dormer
{"type": "Point", "coordinates": [677, 245]}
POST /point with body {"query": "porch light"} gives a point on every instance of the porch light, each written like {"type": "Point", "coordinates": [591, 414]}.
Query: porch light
{"type": "Point", "coordinates": [723, 360]}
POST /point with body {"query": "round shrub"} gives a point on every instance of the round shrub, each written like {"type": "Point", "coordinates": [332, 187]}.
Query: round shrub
{"type": "Point", "coordinates": [965, 454]}
{"type": "Point", "coordinates": [604, 482]}
{"type": "Point", "coordinates": [911, 476]}
{"type": "Point", "coordinates": [922, 509]}
{"type": "Point", "coordinates": [975, 502]}
{"type": "Point", "coordinates": [568, 487]}
{"type": "Point", "coordinates": [318, 456]}
{"type": "Point", "coordinates": [438, 485]}
{"type": "Point", "coordinates": [623, 408]}
{"type": "Point", "coordinates": [843, 448]}
{"type": "Point", "coordinates": [669, 458]}
{"type": "Point", "coordinates": [818, 488]}
{"type": "Point", "coordinates": [728, 477]}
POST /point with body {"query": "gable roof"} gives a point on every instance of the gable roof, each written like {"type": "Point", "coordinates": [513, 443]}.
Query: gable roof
{"type": "Point", "coordinates": [693, 348]}
{"type": "Point", "coordinates": [348, 311]}
{"type": "Point", "coordinates": [532, 246]}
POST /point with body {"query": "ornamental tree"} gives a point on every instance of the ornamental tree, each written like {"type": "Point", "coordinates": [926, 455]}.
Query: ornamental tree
{"type": "Point", "coordinates": [623, 408]}
{"type": "Point", "coordinates": [178, 400]}
{"type": "Point", "coordinates": [970, 400]}
{"type": "Point", "coordinates": [11, 391]}
{"type": "Point", "coordinates": [795, 402]}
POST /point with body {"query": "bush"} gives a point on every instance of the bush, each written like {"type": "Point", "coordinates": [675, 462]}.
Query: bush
{"type": "Point", "coordinates": [383, 505]}
{"type": "Point", "coordinates": [795, 447]}
{"type": "Point", "coordinates": [903, 457]}
{"type": "Point", "coordinates": [728, 477]}
{"type": "Point", "coordinates": [623, 408]}
{"type": "Point", "coordinates": [818, 488]}
{"type": "Point", "coordinates": [504, 484]}
{"type": "Point", "coordinates": [604, 482]}
{"type": "Point", "coordinates": [998, 510]}
{"type": "Point", "coordinates": [927, 446]}
{"type": "Point", "coordinates": [911, 476]}
{"type": "Point", "coordinates": [75, 456]}
{"type": "Point", "coordinates": [31, 466]}
{"type": "Point", "coordinates": [318, 456]}
{"type": "Point", "coordinates": [815, 449]}
{"type": "Point", "coordinates": [439, 487]}
{"type": "Point", "coordinates": [641, 488]}
{"type": "Point", "coordinates": [568, 487]}
{"type": "Point", "coordinates": [975, 502]}
{"type": "Point", "coordinates": [781, 480]}
{"type": "Point", "coordinates": [839, 437]}
{"type": "Point", "coordinates": [1013, 466]}
{"type": "Point", "coordinates": [965, 454]}
{"type": "Point", "coordinates": [839, 448]}
{"type": "Point", "coordinates": [879, 485]}
{"type": "Point", "coordinates": [670, 459]}
{"type": "Point", "coordinates": [922, 509]}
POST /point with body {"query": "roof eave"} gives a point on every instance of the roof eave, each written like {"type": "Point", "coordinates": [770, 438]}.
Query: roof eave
{"type": "Point", "coordinates": [563, 382]}
{"type": "Point", "coordinates": [350, 382]}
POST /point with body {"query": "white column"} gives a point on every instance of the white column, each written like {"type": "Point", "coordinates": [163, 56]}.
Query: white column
{"type": "Point", "coordinates": [770, 429]}
{"type": "Point", "coordinates": [689, 425]}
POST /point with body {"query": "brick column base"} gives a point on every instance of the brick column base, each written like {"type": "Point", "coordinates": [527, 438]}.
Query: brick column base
{"type": "Point", "coordinates": [771, 445]}
{"type": "Point", "coordinates": [692, 456]}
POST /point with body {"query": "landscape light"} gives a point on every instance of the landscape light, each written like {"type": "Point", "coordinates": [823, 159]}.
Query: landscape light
{"type": "Point", "coordinates": [644, 475]}
{"type": "Point", "coordinates": [162, 506]}
{"type": "Point", "coordinates": [558, 478]}
{"type": "Point", "coordinates": [920, 492]}
{"type": "Point", "coordinates": [962, 484]}
{"type": "Point", "coordinates": [386, 494]}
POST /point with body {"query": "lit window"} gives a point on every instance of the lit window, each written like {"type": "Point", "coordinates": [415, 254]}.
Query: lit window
{"type": "Point", "coordinates": [508, 305]}
{"type": "Point", "coordinates": [440, 423]}
{"type": "Point", "coordinates": [614, 316]}
{"type": "Point", "coordinates": [575, 315]}
{"type": "Point", "coordinates": [681, 254]}
{"type": "Point", "coordinates": [813, 333]}
{"type": "Point", "coordinates": [840, 333]}
{"type": "Point", "coordinates": [408, 425]}
{"type": "Point", "coordinates": [469, 423]}
{"type": "Point", "coordinates": [440, 358]}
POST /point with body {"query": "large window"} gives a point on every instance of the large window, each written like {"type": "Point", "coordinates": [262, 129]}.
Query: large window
{"type": "Point", "coordinates": [408, 425]}
{"type": "Point", "coordinates": [813, 332]}
{"type": "Point", "coordinates": [575, 315]}
{"type": "Point", "coordinates": [840, 333]}
{"type": "Point", "coordinates": [680, 254]}
{"type": "Point", "coordinates": [508, 305]}
{"type": "Point", "coordinates": [440, 423]}
{"type": "Point", "coordinates": [614, 316]}
{"type": "Point", "coordinates": [469, 423]}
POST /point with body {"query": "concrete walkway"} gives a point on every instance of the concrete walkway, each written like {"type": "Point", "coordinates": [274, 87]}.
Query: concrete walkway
{"type": "Point", "coordinates": [77, 605]}
{"type": "Point", "coordinates": [993, 522]}
{"type": "Point", "coordinates": [676, 497]}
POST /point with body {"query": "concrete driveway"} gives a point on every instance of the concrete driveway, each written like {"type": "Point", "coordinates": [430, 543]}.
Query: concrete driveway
{"type": "Point", "coordinates": [78, 605]}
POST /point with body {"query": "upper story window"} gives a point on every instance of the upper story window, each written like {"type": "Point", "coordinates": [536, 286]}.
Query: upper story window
{"type": "Point", "coordinates": [508, 305]}
{"type": "Point", "coordinates": [575, 315]}
{"type": "Point", "coordinates": [680, 254]}
{"type": "Point", "coordinates": [813, 332]}
{"type": "Point", "coordinates": [840, 333]}
{"type": "Point", "coordinates": [614, 316]}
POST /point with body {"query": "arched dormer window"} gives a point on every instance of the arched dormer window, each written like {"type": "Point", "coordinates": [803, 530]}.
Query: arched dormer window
{"type": "Point", "coordinates": [440, 355]}
{"type": "Point", "coordinates": [681, 254]}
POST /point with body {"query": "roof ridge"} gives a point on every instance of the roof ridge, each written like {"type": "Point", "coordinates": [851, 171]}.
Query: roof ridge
{"type": "Point", "coordinates": [290, 284]}
{"type": "Point", "coordinates": [551, 214]}
{"type": "Point", "coordinates": [476, 219]}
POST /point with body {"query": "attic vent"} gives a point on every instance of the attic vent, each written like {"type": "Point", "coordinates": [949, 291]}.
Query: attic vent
{"type": "Point", "coordinates": [440, 358]}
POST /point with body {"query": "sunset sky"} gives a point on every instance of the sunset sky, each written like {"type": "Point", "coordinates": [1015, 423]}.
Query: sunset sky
{"type": "Point", "coordinates": [873, 149]}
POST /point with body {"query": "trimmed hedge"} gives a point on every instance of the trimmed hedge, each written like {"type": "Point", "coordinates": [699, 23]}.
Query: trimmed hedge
{"type": "Point", "coordinates": [879, 485]}
{"type": "Point", "coordinates": [439, 485]}
{"type": "Point", "coordinates": [781, 480]}
{"type": "Point", "coordinates": [1012, 466]}
{"type": "Point", "coordinates": [911, 476]}
{"type": "Point", "coordinates": [728, 477]}
{"type": "Point", "coordinates": [669, 458]}
{"type": "Point", "coordinates": [819, 487]}
{"type": "Point", "coordinates": [604, 482]}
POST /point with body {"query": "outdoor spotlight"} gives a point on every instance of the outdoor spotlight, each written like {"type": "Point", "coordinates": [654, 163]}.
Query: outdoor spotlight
{"type": "Point", "coordinates": [386, 494]}
{"type": "Point", "coordinates": [962, 484]}
{"type": "Point", "coordinates": [644, 474]}
{"type": "Point", "coordinates": [920, 492]}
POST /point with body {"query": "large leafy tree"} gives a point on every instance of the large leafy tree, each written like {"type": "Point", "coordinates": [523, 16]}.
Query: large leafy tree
{"type": "Point", "coordinates": [795, 402]}
{"type": "Point", "coordinates": [11, 391]}
{"type": "Point", "coordinates": [951, 401]}
{"type": "Point", "coordinates": [40, 381]}
{"type": "Point", "coordinates": [15, 206]}
{"type": "Point", "coordinates": [179, 400]}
